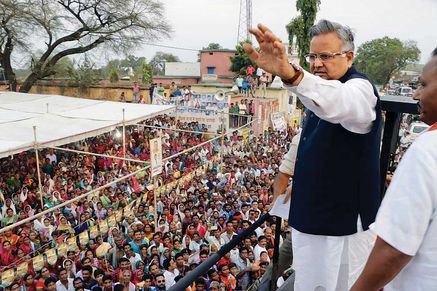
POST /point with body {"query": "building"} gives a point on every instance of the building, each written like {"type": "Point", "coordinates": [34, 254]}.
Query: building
{"type": "Point", "coordinates": [215, 66]}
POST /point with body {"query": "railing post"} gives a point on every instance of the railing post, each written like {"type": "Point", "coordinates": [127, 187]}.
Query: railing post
{"type": "Point", "coordinates": [276, 254]}
{"type": "Point", "coordinates": [206, 265]}
{"type": "Point", "coordinates": [389, 139]}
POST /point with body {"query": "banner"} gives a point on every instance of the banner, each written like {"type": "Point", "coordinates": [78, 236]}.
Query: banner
{"type": "Point", "coordinates": [62, 250]}
{"type": "Point", "coordinates": [278, 121]}
{"type": "Point", "coordinates": [22, 269]}
{"type": "Point", "coordinates": [72, 244]}
{"type": "Point", "coordinates": [38, 262]}
{"type": "Point", "coordinates": [156, 156]}
{"type": "Point", "coordinates": [8, 277]}
{"type": "Point", "coordinates": [94, 232]}
{"type": "Point", "coordinates": [51, 256]}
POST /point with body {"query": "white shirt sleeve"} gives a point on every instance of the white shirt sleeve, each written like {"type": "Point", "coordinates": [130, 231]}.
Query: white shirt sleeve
{"type": "Point", "coordinates": [351, 104]}
{"type": "Point", "coordinates": [287, 165]}
{"type": "Point", "coordinates": [410, 202]}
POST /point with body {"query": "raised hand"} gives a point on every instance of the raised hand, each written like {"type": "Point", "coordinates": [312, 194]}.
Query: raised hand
{"type": "Point", "coordinates": [272, 56]}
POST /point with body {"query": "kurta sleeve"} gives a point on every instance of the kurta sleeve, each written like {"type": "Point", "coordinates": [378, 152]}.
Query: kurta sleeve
{"type": "Point", "coordinates": [351, 104]}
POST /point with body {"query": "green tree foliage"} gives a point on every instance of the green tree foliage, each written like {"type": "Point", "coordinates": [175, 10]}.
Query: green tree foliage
{"type": "Point", "coordinates": [113, 75]}
{"type": "Point", "coordinates": [383, 57]}
{"type": "Point", "coordinates": [146, 71]}
{"type": "Point", "coordinates": [123, 66]}
{"type": "Point", "coordinates": [158, 61]}
{"type": "Point", "coordinates": [83, 75]}
{"type": "Point", "coordinates": [212, 46]}
{"type": "Point", "coordinates": [300, 27]}
{"type": "Point", "coordinates": [64, 27]}
{"type": "Point", "coordinates": [241, 61]}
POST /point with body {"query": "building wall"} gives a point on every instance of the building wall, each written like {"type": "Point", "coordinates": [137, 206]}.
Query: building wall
{"type": "Point", "coordinates": [221, 61]}
{"type": "Point", "coordinates": [98, 92]}
{"type": "Point", "coordinates": [182, 69]}
{"type": "Point", "coordinates": [178, 81]}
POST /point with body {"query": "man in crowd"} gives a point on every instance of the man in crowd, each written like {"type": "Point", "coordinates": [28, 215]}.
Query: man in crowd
{"type": "Point", "coordinates": [404, 255]}
{"type": "Point", "coordinates": [339, 148]}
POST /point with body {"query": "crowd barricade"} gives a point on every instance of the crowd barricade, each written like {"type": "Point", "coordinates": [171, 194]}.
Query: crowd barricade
{"type": "Point", "coordinates": [102, 227]}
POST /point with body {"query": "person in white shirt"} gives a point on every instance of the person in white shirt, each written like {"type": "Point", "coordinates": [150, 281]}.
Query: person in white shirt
{"type": "Point", "coordinates": [64, 283]}
{"type": "Point", "coordinates": [171, 272]}
{"type": "Point", "coordinates": [131, 255]}
{"type": "Point", "coordinates": [405, 254]}
{"type": "Point", "coordinates": [328, 253]}
{"type": "Point", "coordinates": [260, 247]}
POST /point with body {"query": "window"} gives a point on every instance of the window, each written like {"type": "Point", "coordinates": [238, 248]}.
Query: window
{"type": "Point", "coordinates": [211, 70]}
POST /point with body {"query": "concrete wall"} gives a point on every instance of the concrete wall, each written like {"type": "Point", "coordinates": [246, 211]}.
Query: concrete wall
{"type": "Point", "coordinates": [178, 81]}
{"type": "Point", "coordinates": [96, 92]}
{"type": "Point", "coordinates": [182, 69]}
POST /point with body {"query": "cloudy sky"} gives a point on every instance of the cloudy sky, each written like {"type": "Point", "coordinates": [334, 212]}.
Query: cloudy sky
{"type": "Point", "coordinates": [199, 22]}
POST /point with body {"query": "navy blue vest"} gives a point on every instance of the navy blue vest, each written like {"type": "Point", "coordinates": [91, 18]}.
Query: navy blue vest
{"type": "Point", "coordinates": [336, 176]}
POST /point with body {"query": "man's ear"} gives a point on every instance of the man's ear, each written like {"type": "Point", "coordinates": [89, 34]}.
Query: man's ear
{"type": "Point", "coordinates": [350, 58]}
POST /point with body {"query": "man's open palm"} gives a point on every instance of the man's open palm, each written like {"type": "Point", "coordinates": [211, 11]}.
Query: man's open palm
{"type": "Point", "coordinates": [271, 56]}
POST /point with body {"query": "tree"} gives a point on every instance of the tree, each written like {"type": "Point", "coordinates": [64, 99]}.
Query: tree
{"type": "Point", "coordinates": [241, 60]}
{"type": "Point", "coordinates": [83, 74]}
{"type": "Point", "coordinates": [381, 58]}
{"type": "Point", "coordinates": [146, 71]}
{"type": "Point", "coordinates": [123, 66]}
{"type": "Point", "coordinates": [158, 60]}
{"type": "Point", "coordinates": [299, 28]}
{"type": "Point", "coordinates": [68, 27]}
{"type": "Point", "coordinates": [212, 46]}
{"type": "Point", "coordinates": [113, 75]}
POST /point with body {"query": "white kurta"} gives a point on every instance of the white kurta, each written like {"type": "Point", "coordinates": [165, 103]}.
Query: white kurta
{"type": "Point", "coordinates": [407, 217]}
{"type": "Point", "coordinates": [333, 263]}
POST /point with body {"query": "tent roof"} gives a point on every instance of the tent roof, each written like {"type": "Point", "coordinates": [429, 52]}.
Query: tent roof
{"type": "Point", "coordinates": [61, 120]}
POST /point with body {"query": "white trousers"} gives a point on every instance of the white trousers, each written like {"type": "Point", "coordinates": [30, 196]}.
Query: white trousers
{"type": "Point", "coordinates": [329, 263]}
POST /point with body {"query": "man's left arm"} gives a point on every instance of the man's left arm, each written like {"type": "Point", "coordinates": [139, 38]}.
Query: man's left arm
{"type": "Point", "coordinates": [384, 263]}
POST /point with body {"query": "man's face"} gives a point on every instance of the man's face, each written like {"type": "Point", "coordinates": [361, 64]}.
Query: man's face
{"type": "Point", "coordinates": [180, 262]}
{"type": "Point", "coordinates": [332, 69]}
{"type": "Point", "coordinates": [124, 265]}
{"type": "Point", "coordinates": [86, 275]}
{"type": "Point", "coordinates": [138, 236]}
{"type": "Point", "coordinates": [63, 275]}
{"type": "Point", "coordinates": [153, 269]}
{"type": "Point", "coordinates": [77, 283]}
{"type": "Point", "coordinates": [427, 93]}
{"type": "Point", "coordinates": [160, 281]}
{"type": "Point", "coordinates": [262, 242]}
{"type": "Point", "coordinates": [107, 284]}
{"type": "Point", "coordinates": [51, 286]}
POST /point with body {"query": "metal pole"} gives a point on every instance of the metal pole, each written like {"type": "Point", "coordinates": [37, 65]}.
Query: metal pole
{"type": "Point", "coordinates": [37, 167]}
{"type": "Point", "coordinates": [155, 184]}
{"type": "Point", "coordinates": [276, 254]}
{"type": "Point", "coordinates": [206, 265]}
{"type": "Point", "coordinates": [223, 141]}
{"type": "Point", "coordinates": [124, 135]}
{"type": "Point", "coordinates": [389, 139]}
{"type": "Point", "coordinates": [47, 107]}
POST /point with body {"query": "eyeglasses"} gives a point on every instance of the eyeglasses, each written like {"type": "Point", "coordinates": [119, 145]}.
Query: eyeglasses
{"type": "Point", "coordinates": [160, 281]}
{"type": "Point", "coordinates": [323, 57]}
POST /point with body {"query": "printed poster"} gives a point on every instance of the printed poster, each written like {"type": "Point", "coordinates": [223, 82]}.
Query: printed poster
{"type": "Point", "coordinates": [156, 156]}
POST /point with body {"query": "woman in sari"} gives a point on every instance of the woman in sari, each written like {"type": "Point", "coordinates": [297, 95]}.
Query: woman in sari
{"type": "Point", "coordinates": [6, 255]}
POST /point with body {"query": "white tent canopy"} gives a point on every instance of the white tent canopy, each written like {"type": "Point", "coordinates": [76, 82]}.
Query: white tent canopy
{"type": "Point", "coordinates": [61, 120]}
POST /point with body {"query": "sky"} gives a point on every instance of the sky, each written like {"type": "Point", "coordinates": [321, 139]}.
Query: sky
{"type": "Point", "coordinates": [196, 23]}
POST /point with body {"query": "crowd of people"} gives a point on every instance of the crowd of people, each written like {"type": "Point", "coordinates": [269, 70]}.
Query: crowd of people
{"type": "Point", "coordinates": [109, 240]}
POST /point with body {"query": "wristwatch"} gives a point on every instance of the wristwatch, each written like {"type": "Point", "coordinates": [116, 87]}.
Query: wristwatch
{"type": "Point", "coordinates": [297, 73]}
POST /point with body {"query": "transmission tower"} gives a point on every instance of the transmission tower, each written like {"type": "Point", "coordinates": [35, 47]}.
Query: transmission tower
{"type": "Point", "coordinates": [245, 21]}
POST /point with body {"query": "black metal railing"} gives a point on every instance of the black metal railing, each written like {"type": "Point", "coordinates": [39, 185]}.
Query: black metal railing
{"type": "Point", "coordinates": [213, 259]}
